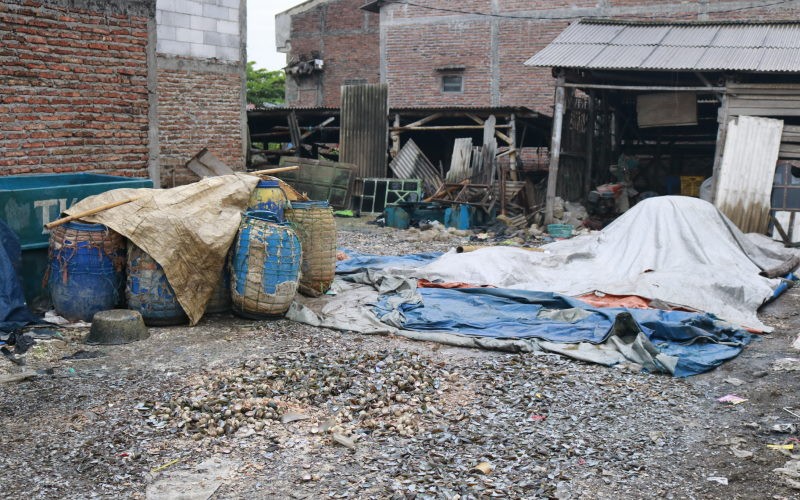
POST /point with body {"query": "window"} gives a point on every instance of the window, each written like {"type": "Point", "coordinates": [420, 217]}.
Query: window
{"type": "Point", "coordinates": [452, 83]}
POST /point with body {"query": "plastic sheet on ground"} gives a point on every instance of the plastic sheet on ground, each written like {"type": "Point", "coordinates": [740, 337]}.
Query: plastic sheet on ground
{"type": "Point", "coordinates": [690, 343]}
{"type": "Point", "coordinates": [358, 262]}
{"type": "Point", "coordinates": [675, 249]}
{"type": "Point", "coordinates": [187, 230]}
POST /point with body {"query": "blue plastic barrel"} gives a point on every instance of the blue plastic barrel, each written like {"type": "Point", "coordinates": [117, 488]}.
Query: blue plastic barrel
{"type": "Point", "coordinates": [86, 270]}
{"type": "Point", "coordinates": [265, 266]}
{"type": "Point", "coordinates": [268, 196]}
{"type": "Point", "coordinates": [149, 292]}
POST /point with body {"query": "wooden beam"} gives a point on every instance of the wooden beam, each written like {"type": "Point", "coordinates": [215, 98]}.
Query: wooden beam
{"type": "Point", "coordinates": [555, 150]}
{"type": "Point", "coordinates": [722, 130]}
{"type": "Point", "coordinates": [644, 88]}
{"type": "Point", "coordinates": [319, 127]}
{"type": "Point", "coordinates": [423, 121]}
{"type": "Point", "coordinates": [512, 132]}
{"type": "Point", "coordinates": [294, 130]}
{"type": "Point", "coordinates": [590, 122]}
{"type": "Point", "coordinates": [406, 128]}
{"type": "Point", "coordinates": [497, 133]}
{"type": "Point", "coordinates": [395, 136]}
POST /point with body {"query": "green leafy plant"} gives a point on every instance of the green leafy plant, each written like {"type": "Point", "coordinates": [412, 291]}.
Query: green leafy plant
{"type": "Point", "coordinates": [264, 86]}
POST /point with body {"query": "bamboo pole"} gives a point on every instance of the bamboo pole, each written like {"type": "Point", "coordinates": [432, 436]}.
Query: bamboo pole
{"type": "Point", "coordinates": [277, 170]}
{"type": "Point", "coordinates": [89, 212]}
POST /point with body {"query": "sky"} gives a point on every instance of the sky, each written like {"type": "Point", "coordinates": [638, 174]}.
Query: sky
{"type": "Point", "coordinates": [261, 32]}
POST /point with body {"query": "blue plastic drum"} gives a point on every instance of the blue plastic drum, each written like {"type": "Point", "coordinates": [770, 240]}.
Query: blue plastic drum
{"type": "Point", "coordinates": [86, 270]}
{"type": "Point", "coordinates": [265, 266]}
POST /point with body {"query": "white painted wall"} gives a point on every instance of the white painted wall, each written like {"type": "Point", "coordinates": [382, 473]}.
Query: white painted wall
{"type": "Point", "coordinates": [203, 29]}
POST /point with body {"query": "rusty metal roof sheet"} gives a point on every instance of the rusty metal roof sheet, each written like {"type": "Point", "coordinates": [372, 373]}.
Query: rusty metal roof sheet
{"type": "Point", "coordinates": [656, 46]}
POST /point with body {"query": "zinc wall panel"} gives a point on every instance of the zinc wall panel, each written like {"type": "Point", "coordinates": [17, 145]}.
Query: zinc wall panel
{"type": "Point", "coordinates": [364, 133]}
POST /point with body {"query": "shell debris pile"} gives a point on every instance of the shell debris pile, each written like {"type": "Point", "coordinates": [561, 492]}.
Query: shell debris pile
{"type": "Point", "coordinates": [379, 393]}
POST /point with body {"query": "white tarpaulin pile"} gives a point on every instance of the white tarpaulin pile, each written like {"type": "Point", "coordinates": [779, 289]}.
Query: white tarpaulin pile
{"type": "Point", "coordinates": [187, 230]}
{"type": "Point", "coordinates": [676, 249]}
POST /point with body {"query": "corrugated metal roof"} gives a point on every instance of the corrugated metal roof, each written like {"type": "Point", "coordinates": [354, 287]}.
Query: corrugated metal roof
{"type": "Point", "coordinates": [610, 44]}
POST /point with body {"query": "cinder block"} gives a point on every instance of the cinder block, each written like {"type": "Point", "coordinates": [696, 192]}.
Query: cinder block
{"type": "Point", "coordinates": [165, 32]}
{"type": "Point", "coordinates": [215, 11]}
{"type": "Point", "coordinates": [221, 39]}
{"type": "Point", "coordinates": [176, 19]}
{"type": "Point", "coordinates": [202, 51]}
{"type": "Point", "coordinates": [204, 23]}
{"type": "Point", "coordinates": [228, 27]}
{"type": "Point", "coordinates": [190, 7]}
{"type": "Point", "coordinates": [174, 48]}
{"type": "Point", "coordinates": [233, 4]}
{"type": "Point", "coordinates": [189, 35]}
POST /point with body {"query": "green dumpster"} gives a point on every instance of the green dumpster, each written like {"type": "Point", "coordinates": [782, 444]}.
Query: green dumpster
{"type": "Point", "coordinates": [28, 202]}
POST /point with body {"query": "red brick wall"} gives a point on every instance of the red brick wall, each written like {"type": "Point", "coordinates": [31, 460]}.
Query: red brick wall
{"type": "Point", "coordinates": [198, 109]}
{"type": "Point", "coordinates": [346, 39]}
{"type": "Point", "coordinates": [421, 39]}
{"type": "Point", "coordinates": [73, 90]}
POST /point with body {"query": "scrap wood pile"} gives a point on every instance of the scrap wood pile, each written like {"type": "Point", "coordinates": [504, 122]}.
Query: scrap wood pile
{"type": "Point", "coordinates": [474, 178]}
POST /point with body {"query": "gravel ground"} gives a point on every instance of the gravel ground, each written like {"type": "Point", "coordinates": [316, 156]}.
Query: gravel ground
{"type": "Point", "coordinates": [276, 409]}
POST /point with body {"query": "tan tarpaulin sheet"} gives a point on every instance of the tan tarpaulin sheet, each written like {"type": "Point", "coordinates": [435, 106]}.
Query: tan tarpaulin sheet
{"type": "Point", "coordinates": [187, 229]}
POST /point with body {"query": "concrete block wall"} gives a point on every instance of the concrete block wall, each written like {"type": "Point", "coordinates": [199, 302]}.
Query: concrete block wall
{"type": "Point", "coordinates": [200, 28]}
{"type": "Point", "coordinates": [200, 84]}
{"type": "Point", "coordinates": [74, 86]}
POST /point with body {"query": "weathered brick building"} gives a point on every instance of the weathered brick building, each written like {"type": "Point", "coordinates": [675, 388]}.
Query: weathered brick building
{"type": "Point", "coordinates": [133, 87]}
{"type": "Point", "coordinates": [468, 53]}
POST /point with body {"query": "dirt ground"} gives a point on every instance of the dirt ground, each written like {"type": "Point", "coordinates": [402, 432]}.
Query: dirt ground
{"type": "Point", "coordinates": [357, 416]}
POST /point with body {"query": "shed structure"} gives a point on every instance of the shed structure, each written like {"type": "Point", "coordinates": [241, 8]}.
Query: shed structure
{"type": "Point", "coordinates": [666, 94]}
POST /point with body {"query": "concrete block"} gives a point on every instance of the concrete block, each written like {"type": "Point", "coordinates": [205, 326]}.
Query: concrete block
{"type": "Point", "coordinates": [189, 35]}
{"type": "Point", "coordinates": [204, 23]}
{"type": "Point", "coordinates": [165, 32]}
{"type": "Point", "coordinates": [189, 7]}
{"type": "Point", "coordinates": [228, 53]}
{"type": "Point", "coordinates": [174, 48]}
{"type": "Point", "coordinates": [228, 27]}
{"type": "Point", "coordinates": [167, 5]}
{"type": "Point", "coordinates": [221, 39]}
{"type": "Point", "coordinates": [232, 4]}
{"type": "Point", "coordinates": [215, 11]}
{"type": "Point", "coordinates": [176, 19]}
{"type": "Point", "coordinates": [233, 14]}
{"type": "Point", "coordinates": [158, 17]}
{"type": "Point", "coordinates": [202, 51]}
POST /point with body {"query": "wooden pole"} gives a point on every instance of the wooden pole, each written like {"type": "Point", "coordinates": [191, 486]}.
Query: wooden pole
{"type": "Point", "coordinates": [89, 212]}
{"type": "Point", "coordinates": [277, 170]}
{"type": "Point", "coordinates": [722, 132]}
{"type": "Point", "coordinates": [590, 122]}
{"type": "Point", "coordinates": [396, 136]}
{"type": "Point", "coordinates": [512, 133]}
{"type": "Point", "coordinates": [555, 150]}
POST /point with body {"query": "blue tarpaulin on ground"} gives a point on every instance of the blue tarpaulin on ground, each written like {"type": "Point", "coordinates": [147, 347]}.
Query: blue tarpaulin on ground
{"type": "Point", "coordinates": [700, 341]}
{"type": "Point", "coordinates": [358, 262]}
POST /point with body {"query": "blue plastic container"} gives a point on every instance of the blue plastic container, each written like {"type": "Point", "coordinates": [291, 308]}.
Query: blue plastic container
{"type": "Point", "coordinates": [86, 271]}
{"type": "Point", "coordinates": [149, 292]}
{"type": "Point", "coordinates": [265, 266]}
{"type": "Point", "coordinates": [268, 196]}
{"type": "Point", "coordinates": [397, 217]}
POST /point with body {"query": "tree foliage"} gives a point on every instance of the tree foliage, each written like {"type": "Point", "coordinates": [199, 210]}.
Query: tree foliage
{"type": "Point", "coordinates": [264, 86]}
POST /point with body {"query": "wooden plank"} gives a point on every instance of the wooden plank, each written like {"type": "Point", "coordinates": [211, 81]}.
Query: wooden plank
{"type": "Point", "coordinates": [423, 121]}
{"type": "Point", "coordinates": [741, 111]}
{"type": "Point", "coordinates": [555, 150]}
{"type": "Point", "coordinates": [644, 88]}
{"type": "Point", "coordinates": [790, 148]}
{"type": "Point", "coordinates": [294, 130]}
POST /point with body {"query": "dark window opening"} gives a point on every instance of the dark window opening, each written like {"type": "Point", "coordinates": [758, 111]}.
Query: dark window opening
{"type": "Point", "coordinates": [452, 83]}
